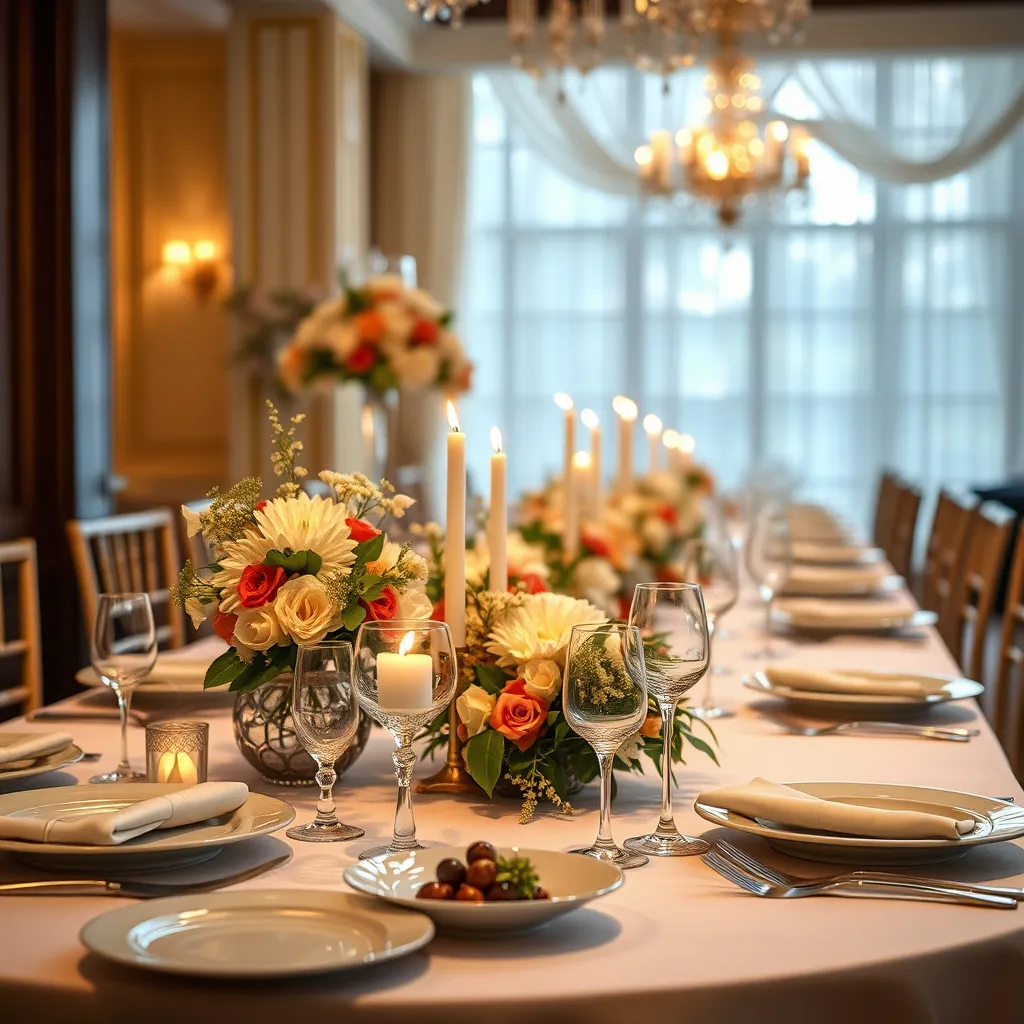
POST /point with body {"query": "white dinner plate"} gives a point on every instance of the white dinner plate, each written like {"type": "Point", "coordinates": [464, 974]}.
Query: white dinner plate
{"type": "Point", "coordinates": [37, 766]}
{"type": "Point", "coordinates": [269, 933]}
{"type": "Point", "coordinates": [822, 585]}
{"type": "Point", "coordinates": [570, 879]}
{"type": "Point", "coordinates": [161, 848]}
{"type": "Point", "coordinates": [817, 553]}
{"type": "Point", "coordinates": [948, 688]}
{"type": "Point", "coordinates": [996, 821]}
{"type": "Point", "coordinates": [812, 616]}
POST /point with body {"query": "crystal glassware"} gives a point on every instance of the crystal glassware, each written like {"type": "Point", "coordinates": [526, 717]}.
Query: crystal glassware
{"type": "Point", "coordinates": [712, 564]}
{"type": "Point", "coordinates": [325, 712]}
{"type": "Point", "coordinates": [122, 649]}
{"type": "Point", "coordinates": [769, 556]}
{"type": "Point", "coordinates": [406, 673]}
{"type": "Point", "coordinates": [672, 620]}
{"type": "Point", "coordinates": [604, 699]}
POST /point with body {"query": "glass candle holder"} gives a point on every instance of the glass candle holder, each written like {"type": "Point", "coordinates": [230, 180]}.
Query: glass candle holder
{"type": "Point", "coordinates": [177, 752]}
{"type": "Point", "coordinates": [405, 673]}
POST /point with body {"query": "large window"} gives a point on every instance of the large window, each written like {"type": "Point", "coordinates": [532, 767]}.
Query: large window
{"type": "Point", "coordinates": [870, 325]}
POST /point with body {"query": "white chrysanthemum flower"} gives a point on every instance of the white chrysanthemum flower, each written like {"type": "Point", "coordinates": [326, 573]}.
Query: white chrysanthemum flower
{"type": "Point", "coordinates": [416, 367]}
{"type": "Point", "coordinates": [309, 524]}
{"type": "Point", "coordinates": [540, 628]}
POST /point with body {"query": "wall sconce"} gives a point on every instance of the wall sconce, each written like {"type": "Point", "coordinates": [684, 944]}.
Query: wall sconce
{"type": "Point", "coordinates": [197, 265]}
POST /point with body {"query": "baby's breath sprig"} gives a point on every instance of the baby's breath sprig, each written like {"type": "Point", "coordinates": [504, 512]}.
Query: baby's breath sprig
{"type": "Point", "coordinates": [286, 449]}
{"type": "Point", "coordinates": [363, 496]}
{"type": "Point", "coordinates": [191, 585]}
{"type": "Point", "coordinates": [231, 512]}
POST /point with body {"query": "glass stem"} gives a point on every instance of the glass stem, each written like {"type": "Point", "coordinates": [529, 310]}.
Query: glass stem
{"type": "Point", "coordinates": [768, 623]}
{"type": "Point", "coordinates": [124, 706]}
{"type": "Point", "coordinates": [604, 839]}
{"type": "Point", "coordinates": [405, 824]}
{"type": "Point", "coordinates": [709, 698]}
{"type": "Point", "coordinates": [326, 777]}
{"type": "Point", "coordinates": [667, 823]}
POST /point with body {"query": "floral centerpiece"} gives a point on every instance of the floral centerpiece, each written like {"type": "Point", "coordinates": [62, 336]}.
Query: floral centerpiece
{"type": "Point", "coordinates": [510, 717]}
{"type": "Point", "coordinates": [296, 568]}
{"type": "Point", "coordinates": [383, 334]}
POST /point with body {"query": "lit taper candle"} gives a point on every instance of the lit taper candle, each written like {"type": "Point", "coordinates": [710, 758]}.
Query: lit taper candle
{"type": "Point", "coordinates": [625, 409]}
{"type": "Point", "coordinates": [570, 513]}
{"type": "Point", "coordinates": [497, 523]}
{"type": "Point", "coordinates": [652, 427]}
{"type": "Point", "coordinates": [455, 533]}
{"type": "Point", "coordinates": [593, 424]}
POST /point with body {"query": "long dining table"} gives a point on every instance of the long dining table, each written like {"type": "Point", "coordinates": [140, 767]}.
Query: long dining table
{"type": "Point", "coordinates": [676, 942]}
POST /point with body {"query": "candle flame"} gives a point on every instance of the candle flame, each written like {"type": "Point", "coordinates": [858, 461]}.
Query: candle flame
{"type": "Point", "coordinates": [652, 424]}
{"type": "Point", "coordinates": [687, 444]}
{"type": "Point", "coordinates": [496, 439]}
{"type": "Point", "coordinates": [625, 408]}
{"type": "Point", "coordinates": [406, 645]}
{"type": "Point", "coordinates": [563, 401]}
{"type": "Point", "coordinates": [581, 460]}
{"type": "Point", "coordinates": [453, 416]}
{"type": "Point", "coordinates": [670, 439]}
{"type": "Point", "coordinates": [590, 420]}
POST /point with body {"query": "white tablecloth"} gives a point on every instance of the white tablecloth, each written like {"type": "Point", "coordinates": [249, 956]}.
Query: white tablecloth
{"type": "Point", "coordinates": [675, 943]}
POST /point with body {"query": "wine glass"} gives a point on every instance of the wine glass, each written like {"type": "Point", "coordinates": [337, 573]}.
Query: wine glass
{"type": "Point", "coordinates": [122, 649]}
{"type": "Point", "coordinates": [326, 715]}
{"type": "Point", "coordinates": [769, 558]}
{"type": "Point", "coordinates": [672, 620]}
{"type": "Point", "coordinates": [406, 675]}
{"type": "Point", "coordinates": [713, 565]}
{"type": "Point", "coordinates": [604, 698]}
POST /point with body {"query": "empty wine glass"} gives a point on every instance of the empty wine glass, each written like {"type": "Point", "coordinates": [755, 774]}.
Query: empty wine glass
{"type": "Point", "coordinates": [604, 698]}
{"type": "Point", "coordinates": [406, 674]}
{"type": "Point", "coordinates": [769, 558]}
{"type": "Point", "coordinates": [672, 620]}
{"type": "Point", "coordinates": [326, 715]}
{"type": "Point", "coordinates": [122, 648]}
{"type": "Point", "coordinates": [713, 565]}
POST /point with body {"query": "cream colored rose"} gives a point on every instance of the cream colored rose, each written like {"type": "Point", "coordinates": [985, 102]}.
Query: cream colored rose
{"type": "Point", "coordinates": [258, 628]}
{"type": "Point", "coordinates": [475, 707]}
{"type": "Point", "coordinates": [305, 610]}
{"type": "Point", "coordinates": [413, 603]}
{"type": "Point", "coordinates": [193, 521]}
{"type": "Point", "coordinates": [543, 678]}
{"type": "Point", "coordinates": [195, 611]}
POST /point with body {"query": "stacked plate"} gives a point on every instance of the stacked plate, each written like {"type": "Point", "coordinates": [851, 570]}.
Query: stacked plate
{"type": "Point", "coordinates": [892, 614]}
{"type": "Point", "coordinates": [842, 581]}
{"type": "Point", "coordinates": [24, 754]}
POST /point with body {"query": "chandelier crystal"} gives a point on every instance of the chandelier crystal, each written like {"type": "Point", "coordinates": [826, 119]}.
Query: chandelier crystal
{"type": "Point", "coordinates": [450, 11]}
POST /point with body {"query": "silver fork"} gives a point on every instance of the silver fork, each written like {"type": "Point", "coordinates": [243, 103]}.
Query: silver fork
{"type": "Point", "coordinates": [776, 877]}
{"type": "Point", "coordinates": [929, 732]}
{"type": "Point", "coordinates": [942, 894]}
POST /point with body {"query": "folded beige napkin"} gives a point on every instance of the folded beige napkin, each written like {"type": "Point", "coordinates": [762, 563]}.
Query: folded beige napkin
{"type": "Point", "coordinates": [820, 553]}
{"type": "Point", "coordinates": [836, 578]}
{"type": "Point", "coordinates": [30, 747]}
{"type": "Point", "coordinates": [880, 684]}
{"type": "Point", "coordinates": [835, 612]}
{"type": "Point", "coordinates": [111, 828]}
{"type": "Point", "coordinates": [787, 806]}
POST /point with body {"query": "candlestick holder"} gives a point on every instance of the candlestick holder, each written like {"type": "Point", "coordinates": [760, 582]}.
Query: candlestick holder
{"type": "Point", "coordinates": [452, 776]}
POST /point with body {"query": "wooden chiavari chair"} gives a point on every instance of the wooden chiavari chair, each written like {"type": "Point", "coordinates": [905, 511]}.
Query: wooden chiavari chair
{"type": "Point", "coordinates": [901, 542]}
{"type": "Point", "coordinates": [974, 589]}
{"type": "Point", "coordinates": [885, 510]}
{"type": "Point", "coordinates": [29, 692]}
{"type": "Point", "coordinates": [136, 552]}
{"type": "Point", "coordinates": [1007, 700]}
{"type": "Point", "coordinates": [950, 526]}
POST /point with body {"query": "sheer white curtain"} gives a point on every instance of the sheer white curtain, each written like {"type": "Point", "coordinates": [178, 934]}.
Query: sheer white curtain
{"type": "Point", "coordinates": [875, 324]}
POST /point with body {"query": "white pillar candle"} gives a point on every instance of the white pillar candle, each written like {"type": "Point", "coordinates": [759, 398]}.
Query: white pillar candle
{"type": "Point", "coordinates": [570, 514]}
{"type": "Point", "coordinates": [591, 422]}
{"type": "Point", "coordinates": [177, 766]}
{"type": "Point", "coordinates": [455, 533]}
{"type": "Point", "coordinates": [497, 522]}
{"type": "Point", "coordinates": [652, 427]}
{"type": "Point", "coordinates": [583, 480]}
{"type": "Point", "coordinates": [405, 682]}
{"type": "Point", "coordinates": [625, 409]}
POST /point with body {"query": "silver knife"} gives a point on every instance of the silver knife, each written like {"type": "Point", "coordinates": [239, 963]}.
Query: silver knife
{"type": "Point", "coordinates": [137, 890]}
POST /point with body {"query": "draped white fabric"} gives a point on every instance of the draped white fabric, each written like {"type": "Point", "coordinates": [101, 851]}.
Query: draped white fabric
{"type": "Point", "coordinates": [871, 324]}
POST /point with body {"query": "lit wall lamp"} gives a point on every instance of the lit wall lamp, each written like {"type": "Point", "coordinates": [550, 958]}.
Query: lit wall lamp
{"type": "Point", "coordinates": [197, 265]}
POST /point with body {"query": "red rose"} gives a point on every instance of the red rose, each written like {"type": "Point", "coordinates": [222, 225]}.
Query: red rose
{"type": "Point", "coordinates": [518, 715]}
{"type": "Point", "coordinates": [668, 514]}
{"type": "Point", "coordinates": [667, 574]}
{"type": "Point", "coordinates": [437, 612]}
{"type": "Point", "coordinates": [595, 544]}
{"type": "Point", "coordinates": [260, 584]}
{"type": "Point", "coordinates": [384, 607]}
{"type": "Point", "coordinates": [360, 530]}
{"type": "Point", "coordinates": [362, 359]}
{"type": "Point", "coordinates": [262, 504]}
{"type": "Point", "coordinates": [224, 625]}
{"type": "Point", "coordinates": [625, 604]}
{"type": "Point", "coordinates": [534, 584]}
{"type": "Point", "coordinates": [424, 332]}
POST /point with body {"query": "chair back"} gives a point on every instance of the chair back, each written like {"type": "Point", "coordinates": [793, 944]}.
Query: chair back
{"type": "Point", "coordinates": [28, 694]}
{"type": "Point", "coordinates": [885, 510]}
{"type": "Point", "coordinates": [1007, 700]}
{"type": "Point", "coordinates": [901, 542]}
{"type": "Point", "coordinates": [970, 605]}
{"type": "Point", "coordinates": [137, 552]}
{"type": "Point", "coordinates": [946, 542]}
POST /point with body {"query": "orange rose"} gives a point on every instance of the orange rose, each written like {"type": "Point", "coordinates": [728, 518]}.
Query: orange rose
{"type": "Point", "coordinates": [260, 584]}
{"type": "Point", "coordinates": [370, 325]}
{"type": "Point", "coordinates": [362, 359]}
{"type": "Point", "coordinates": [518, 715]}
{"type": "Point", "coordinates": [360, 530]}
{"type": "Point", "coordinates": [424, 332]}
{"type": "Point", "coordinates": [651, 727]}
{"type": "Point", "coordinates": [384, 607]}
{"type": "Point", "coordinates": [224, 625]}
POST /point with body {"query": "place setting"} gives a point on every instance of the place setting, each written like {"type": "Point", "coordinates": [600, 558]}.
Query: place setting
{"type": "Point", "coordinates": [24, 755]}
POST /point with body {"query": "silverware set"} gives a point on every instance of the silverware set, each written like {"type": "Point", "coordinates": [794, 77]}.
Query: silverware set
{"type": "Point", "coordinates": [749, 874]}
{"type": "Point", "coordinates": [804, 727]}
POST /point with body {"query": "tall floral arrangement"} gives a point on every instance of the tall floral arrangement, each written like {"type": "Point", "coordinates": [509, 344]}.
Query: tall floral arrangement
{"type": "Point", "coordinates": [296, 568]}
{"type": "Point", "coordinates": [382, 334]}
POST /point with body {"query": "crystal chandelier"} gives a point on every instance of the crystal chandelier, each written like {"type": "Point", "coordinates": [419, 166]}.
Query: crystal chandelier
{"type": "Point", "coordinates": [728, 159]}
{"type": "Point", "coordinates": [450, 11]}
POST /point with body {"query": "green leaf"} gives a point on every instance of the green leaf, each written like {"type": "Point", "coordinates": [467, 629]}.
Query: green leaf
{"type": "Point", "coordinates": [374, 593]}
{"type": "Point", "coordinates": [484, 754]}
{"type": "Point", "coordinates": [369, 580]}
{"type": "Point", "coordinates": [553, 770]}
{"type": "Point", "coordinates": [224, 669]}
{"type": "Point", "coordinates": [491, 678]}
{"type": "Point", "coordinates": [586, 766]}
{"type": "Point", "coordinates": [553, 717]}
{"type": "Point", "coordinates": [352, 616]}
{"type": "Point", "coordinates": [314, 563]}
{"type": "Point", "coordinates": [382, 378]}
{"type": "Point", "coordinates": [369, 550]}
{"type": "Point", "coordinates": [703, 746]}
{"type": "Point", "coordinates": [446, 318]}
{"type": "Point", "coordinates": [307, 562]}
